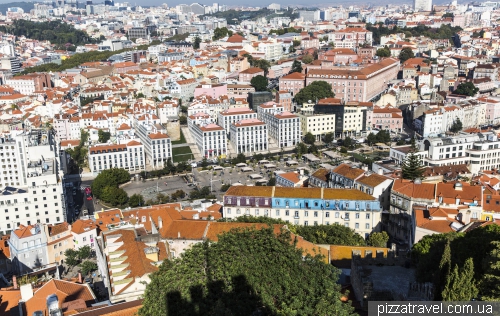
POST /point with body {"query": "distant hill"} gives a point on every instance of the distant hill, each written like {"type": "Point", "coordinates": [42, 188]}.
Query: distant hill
{"type": "Point", "coordinates": [26, 6]}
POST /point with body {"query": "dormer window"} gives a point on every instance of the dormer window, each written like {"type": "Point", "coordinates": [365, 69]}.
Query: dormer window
{"type": "Point", "coordinates": [143, 219]}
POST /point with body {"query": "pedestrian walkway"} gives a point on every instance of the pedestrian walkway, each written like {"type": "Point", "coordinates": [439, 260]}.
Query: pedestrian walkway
{"type": "Point", "coordinates": [191, 143]}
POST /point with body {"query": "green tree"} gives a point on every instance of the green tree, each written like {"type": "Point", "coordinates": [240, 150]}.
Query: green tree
{"type": "Point", "coordinates": [383, 52]}
{"type": "Point", "coordinates": [242, 274]}
{"type": "Point", "coordinates": [136, 200]}
{"type": "Point", "coordinates": [259, 83]}
{"type": "Point", "coordinates": [444, 268]}
{"type": "Point", "coordinates": [405, 54]}
{"type": "Point", "coordinates": [84, 252]}
{"type": "Point", "coordinates": [183, 120]}
{"type": "Point", "coordinates": [271, 182]}
{"type": "Point", "coordinates": [412, 167]}
{"type": "Point", "coordinates": [328, 138]}
{"type": "Point", "coordinates": [378, 239]}
{"type": "Point", "coordinates": [221, 32]}
{"type": "Point", "coordinates": [490, 281]}
{"type": "Point", "coordinates": [225, 187]}
{"type": "Point", "coordinates": [196, 42]}
{"type": "Point", "coordinates": [348, 142]}
{"type": "Point", "coordinates": [110, 177]}
{"type": "Point", "coordinates": [371, 139]}
{"type": "Point", "coordinates": [296, 43]}
{"type": "Point", "coordinates": [300, 149]}
{"type": "Point", "coordinates": [88, 266]}
{"type": "Point", "coordinates": [456, 126]}
{"type": "Point", "coordinates": [461, 285]}
{"type": "Point", "coordinates": [71, 257]}
{"type": "Point", "coordinates": [331, 234]}
{"type": "Point", "coordinates": [307, 59]}
{"type": "Point", "coordinates": [262, 64]}
{"type": "Point", "coordinates": [315, 91]}
{"type": "Point", "coordinates": [309, 138]}
{"type": "Point", "coordinates": [103, 136]}
{"type": "Point", "coordinates": [466, 88]}
{"type": "Point", "coordinates": [296, 66]}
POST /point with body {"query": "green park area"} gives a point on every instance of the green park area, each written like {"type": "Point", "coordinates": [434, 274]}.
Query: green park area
{"type": "Point", "coordinates": [182, 154]}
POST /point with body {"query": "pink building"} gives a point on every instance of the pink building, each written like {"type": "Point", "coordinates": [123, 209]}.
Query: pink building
{"type": "Point", "coordinates": [292, 83]}
{"type": "Point", "coordinates": [387, 118]}
{"type": "Point", "coordinates": [248, 74]}
{"type": "Point", "coordinates": [211, 90]}
{"type": "Point", "coordinates": [339, 55]}
{"type": "Point", "coordinates": [357, 84]}
{"type": "Point", "coordinates": [284, 99]}
{"type": "Point", "coordinates": [492, 110]}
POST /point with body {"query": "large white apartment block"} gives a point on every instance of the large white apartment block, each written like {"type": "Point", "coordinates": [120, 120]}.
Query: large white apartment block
{"type": "Point", "coordinates": [84, 233]}
{"type": "Point", "coordinates": [270, 107]}
{"type": "Point", "coordinates": [318, 125]}
{"type": "Point", "coordinates": [479, 151]}
{"type": "Point", "coordinates": [284, 127]}
{"type": "Point", "coordinates": [230, 116]}
{"type": "Point", "coordinates": [127, 156]}
{"type": "Point", "coordinates": [249, 136]}
{"type": "Point", "coordinates": [31, 188]}
{"type": "Point", "coordinates": [271, 50]}
{"type": "Point", "coordinates": [157, 144]}
{"type": "Point", "coordinates": [211, 139]}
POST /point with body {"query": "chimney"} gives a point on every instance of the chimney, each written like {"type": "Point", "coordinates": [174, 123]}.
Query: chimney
{"type": "Point", "coordinates": [14, 282]}
{"type": "Point", "coordinates": [178, 235]}
{"type": "Point", "coordinates": [160, 222]}
{"type": "Point", "coordinates": [80, 278]}
{"type": "Point", "coordinates": [26, 292]}
{"type": "Point", "coordinates": [380, 171]}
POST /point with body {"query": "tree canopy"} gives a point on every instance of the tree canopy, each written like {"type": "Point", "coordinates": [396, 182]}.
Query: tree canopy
{"type": "Point", "coordinates": [456, 126]}
{"type": "Point", "coordinates": [331, 234]}
{"type": "Point", "coordinates": [466, 88]}
{"type": "Point", "coordinates": [259, 83]}
{"type": "Point", "coordinates": [309, 138]}
{"type": "Point", "coordinates": [307, 59]}
{"type": "Point", "coordinates": [315, 91]}
{"type": "Point", "coordinates": [196, 42]}
{"type": "Point", "coordinates": [378, 239]}
{"type": "Point", "coordinates": [108, 179]}
{"type": "Point", "coordinates": [247, 272]}
{"type": "Point", "coordinates": [445, 31]}
{"type": "Point", "coordinates": [382, 136]}
{"type": "Point", "coordinates": [412, 167]}
{"type": "Point", "coordinates": [383, 52]}
{"type": "Point", "coordinates": [296, 66]}
{"type": "Point", "coordinates": [221, 32]}
{"type": "Point", "coordinates": [405, 54]}
{"type": "Point", "coordinates": [480, 244]}
{"type": "Point", "coordinates": [103, 136]}
{"type": "Point", "coordinates": [78, 154]}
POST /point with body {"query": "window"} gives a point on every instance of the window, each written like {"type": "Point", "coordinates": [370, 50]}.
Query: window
{"type": "Point", "coordinates": [228, 211]}
{"type": "Point", "coordinates": [356, 225]}
{"type": "Point", "coordinates": [315, 214]}
{"type": "Point", "coordinates": [367, 226]}
{"type": "Point", "coordinates": [357, 215]}
{"type": "Point", "coordinates": [287, 213]}
{"type": "Point", "coordinates": [306, 223]}
{"type": "Point", "coordinates": [306, 213]}
{"type": "Point", "coordinates": [337, 214]}
{"type": "Point", "coordinates": [367, 216]}
{"type": "Point", "coordinates": [277, 212]}
{"type": "Point", "coordinates": [84, 238]}
{"type": "Point", "coordinates": [327, 214]}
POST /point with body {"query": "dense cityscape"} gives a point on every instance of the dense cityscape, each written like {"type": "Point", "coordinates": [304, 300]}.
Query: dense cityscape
{"type": "Point", "coordinates": [223, 159]}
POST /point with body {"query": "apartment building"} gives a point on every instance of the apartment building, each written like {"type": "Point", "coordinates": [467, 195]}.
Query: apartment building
{"type": "Point", "coordinates": [249, 136]}
{"type": "Point", "coordinates": [157, 144]}
{"type": "Point", "coordinates": [59, 239]}
{"type": "Point", "coordinates": [168, 110]}
{"type": "Point", "coordinates": [211, 140]}
{"type": "Point", "coordinates": [84, 232]}
{"type": "Point", "coordinates": [247, 74]}
{"type": "Point", "coordinates": [239, 90]}
{"type": "Point", "coordinates": [28, 84]}
{"type": "Point", "coordinates": [28, 248]}
{"type": "Point", "coordinates": [306, 206]}
{"type": "Point", "coordinates": [387, 118]}
{"type": "Point", "coordinates": [292, 83]}
{"type": "Point", "coordinates": [284, 99]}
{"type": "Point", "coordinates": [31, 187]}
{"type": "Point", "coordinates": [350, 117]}
{"type": "Point", "coordinates": [318, 125]}
{"type": "Point", "coordinates": [357, 83]}
{"type": "Point", "coordinates": [66, 127]}
{"type": "Point", "coordinates": [128, 156]}
{"type": "Point", "coordinates": [351, 37]}
{"type": "Point", "coordinates": [284, 127]}
{"type": "Point", "coordinates": [272, 50]}
{"type": "Point", "coordinates": [227, 117]}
